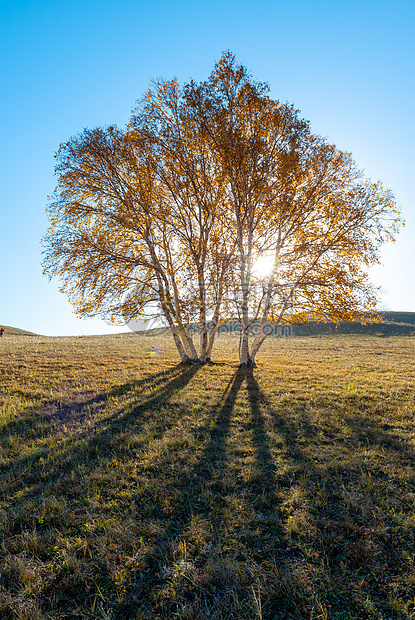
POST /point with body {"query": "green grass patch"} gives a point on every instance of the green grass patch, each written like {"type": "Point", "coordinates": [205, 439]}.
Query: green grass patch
{"type": "Point", "coordinates": [134, 488]}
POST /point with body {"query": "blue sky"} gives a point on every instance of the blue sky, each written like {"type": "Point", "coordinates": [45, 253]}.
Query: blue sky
{"type": "Point", "coordinates": [66, 65]}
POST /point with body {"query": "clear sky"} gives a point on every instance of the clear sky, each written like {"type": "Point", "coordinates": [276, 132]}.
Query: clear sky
{"type": "Point", "coordinates": [70, 64]}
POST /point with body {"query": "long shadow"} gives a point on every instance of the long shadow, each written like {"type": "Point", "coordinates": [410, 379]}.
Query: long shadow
{"type": "Point", "coordinates": [342, 531]}
{"type": "Point", "coordinates": [265, 483]}
{"type": "Point", "coordinates": [264, 458]}
{"type": "Point", "coordinates": [205, 493]}
{"type": "Point", "coordinates": [55, 409]}
{"type": "Point", "coordinates": [51, 472]}
{"type": "Point", "coordinates": [214, 455]}
{"type": "Point", "coordinates": [209, 469]}
{"type": "Point", "coordinates": [39, 469]}
{"type": "Point", "coordinates": [201, 494]}
{"type": "Point", "coordinates": [275, 549]}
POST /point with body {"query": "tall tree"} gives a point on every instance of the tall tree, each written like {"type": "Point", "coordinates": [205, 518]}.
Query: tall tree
{"type": "Point", "coordinates": [175, 214]}
{"type": "Point", "coordinates": [192, 182]}
{"type": "Point", "coordinates": [111, 239]}
{"type": "Point", "coordinates": [135, 226]}
{"type": "Point", "coordinates": [295, 199]}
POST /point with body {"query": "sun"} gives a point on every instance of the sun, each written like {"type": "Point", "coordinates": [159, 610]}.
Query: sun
{"type": "Point", "coordinates": [263, 265]}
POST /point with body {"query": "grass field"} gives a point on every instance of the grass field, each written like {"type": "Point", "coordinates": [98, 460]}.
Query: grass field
{"type": "Point", "coordinates": [134, 488]}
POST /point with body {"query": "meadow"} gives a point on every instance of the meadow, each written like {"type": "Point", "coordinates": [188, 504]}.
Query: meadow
{"type": "Point", "coordinates": [136, 488]}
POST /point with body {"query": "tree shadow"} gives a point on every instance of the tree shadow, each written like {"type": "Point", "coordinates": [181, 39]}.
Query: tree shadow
{"type": "Point", "coordinates": [342, 508]}
{"type": "Point", "coordinates": [45, 490]}
{"type": "Point", "coordinates": [264, 458]}
{"type": "Point", "coordinates": [53, 464]}
{"type": "Point", "coordinates": [55, 410]}
{"type": "Point", "coordinates": [203, 500]}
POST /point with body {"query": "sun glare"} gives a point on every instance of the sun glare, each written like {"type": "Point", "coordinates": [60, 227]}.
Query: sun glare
{"type": "Point", "coordinates": [263, 265]}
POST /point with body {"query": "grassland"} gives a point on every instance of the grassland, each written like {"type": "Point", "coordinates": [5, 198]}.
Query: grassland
{"type": "Point", "coordinates": [134, 488]}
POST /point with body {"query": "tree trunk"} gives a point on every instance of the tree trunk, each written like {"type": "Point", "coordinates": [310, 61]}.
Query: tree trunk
{"type": "Point", "coordinates": [212, 331]}
{"type": "Point", "coordinates": [202, 319]}
{"type": "Point", "coordinates": [260, 336]}
{"type": "Point", "coordinates": [183, 355]}
{"type": "Point", "coordinates": [188, 343]}
{"type": "Point", "coordinates": [244, 345]}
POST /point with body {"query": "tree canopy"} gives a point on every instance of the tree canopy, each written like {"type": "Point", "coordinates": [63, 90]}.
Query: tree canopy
{"type": "Point", "coordinates": [215, 202]}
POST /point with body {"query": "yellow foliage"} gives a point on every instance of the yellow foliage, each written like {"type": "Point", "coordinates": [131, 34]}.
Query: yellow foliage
{"type": "Point", "coordinates": [170, 215]}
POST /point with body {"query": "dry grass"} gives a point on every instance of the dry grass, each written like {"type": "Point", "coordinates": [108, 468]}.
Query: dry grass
{"type": "Point", "coordinates": [133, 488]}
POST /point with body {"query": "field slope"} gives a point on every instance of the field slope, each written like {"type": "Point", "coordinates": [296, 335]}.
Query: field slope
{"type": "Point", "coordinates": [134, 488]}
{"type": "Point", "coordinates": [15, 331]}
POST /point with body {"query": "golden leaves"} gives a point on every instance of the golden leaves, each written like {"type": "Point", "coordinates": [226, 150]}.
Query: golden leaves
{"type": "Point", "coordinates": [177, 209]}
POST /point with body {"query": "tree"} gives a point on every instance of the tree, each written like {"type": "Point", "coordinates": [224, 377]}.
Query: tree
{"type": "Point", "coordinates": [192, 183]}
{"type": "Point", "coordinates": [135, 226]}
{"type": "Point", "coordinates": [295, 199]}
{"type": "Point", "coordinates": [174, 214]}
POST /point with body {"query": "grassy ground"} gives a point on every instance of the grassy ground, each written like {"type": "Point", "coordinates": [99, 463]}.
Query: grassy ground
{"type": "Point", "coordinates": [133, 488]}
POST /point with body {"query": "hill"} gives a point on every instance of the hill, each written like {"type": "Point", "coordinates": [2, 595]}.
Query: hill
{"type": "Point", "coordinates": [394, 324]}
{"type": "Point", "coordinates": [15, 331]}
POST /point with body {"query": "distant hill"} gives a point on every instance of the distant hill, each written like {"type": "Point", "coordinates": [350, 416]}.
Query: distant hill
{"type": "Point", "coordinates": [395, 324]}
{"type": "Point", "coordinates": [401, 317]}
{"type": "Point", "coordinates": [15, 331]}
